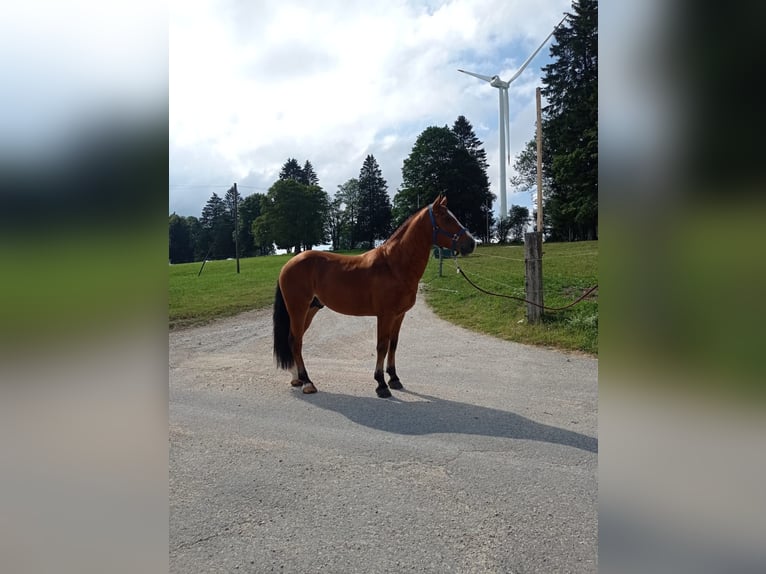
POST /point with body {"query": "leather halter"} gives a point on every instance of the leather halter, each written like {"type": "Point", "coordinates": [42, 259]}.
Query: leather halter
{"type": "Point", "coordinates": [439, 231]}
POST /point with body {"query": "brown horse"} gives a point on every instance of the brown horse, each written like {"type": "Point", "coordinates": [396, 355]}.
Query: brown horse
{"type": "Point", "coordinates": [382, 282]}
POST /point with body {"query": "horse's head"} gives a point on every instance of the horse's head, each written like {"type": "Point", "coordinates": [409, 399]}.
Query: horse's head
{"type": "Point", "coordinates": [448, 231]}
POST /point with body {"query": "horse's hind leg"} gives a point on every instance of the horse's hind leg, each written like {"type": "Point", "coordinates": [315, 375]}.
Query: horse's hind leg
{"type": "Point", "coordinates": [299, 322]}
{"type": "Point", "coordinates": [308, 386]}
{"type": "Point", "coordinates": [394, 381]}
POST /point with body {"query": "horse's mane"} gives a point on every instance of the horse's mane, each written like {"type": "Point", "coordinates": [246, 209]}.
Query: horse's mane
{"type": "Point", "coordinates": [397, 234]}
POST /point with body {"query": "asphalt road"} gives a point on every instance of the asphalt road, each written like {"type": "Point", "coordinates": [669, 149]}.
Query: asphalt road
{"type": "Point", "coordinates": [486, 462]}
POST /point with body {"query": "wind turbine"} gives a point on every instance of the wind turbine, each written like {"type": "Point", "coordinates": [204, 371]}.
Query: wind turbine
{"type": "Point", "coordinates": [504, 127]}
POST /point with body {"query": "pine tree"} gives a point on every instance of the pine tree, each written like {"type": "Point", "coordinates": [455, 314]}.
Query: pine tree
{"type": "Point", "coordinates": [374, 216]}
{"type": "Point", "coordinates": [467, 140]}
{"type": "Point", "coordinates": [335, 223]}
{"type": "Point", "coordinates": [348, 197]}
{"type": "Point", "coordinates": [309, 175]}
{"type": "Point", "coordinates": [181, 248]}
{"type": "Point", "coordinates": [197, 235]}
{"type": "Point", "coordinates": [292, 170]}
{"type": "Point", "coordinates": [228, 201]}
{"type": "Point", "coordinates": [570, 125]}
{"type": "Point", "coordinates": [218, 228]}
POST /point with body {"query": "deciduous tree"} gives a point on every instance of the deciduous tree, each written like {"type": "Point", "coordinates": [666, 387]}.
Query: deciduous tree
{"type": "Point", "coordinates": [448, 161]}
{"type": "Point", "coordinates": [294, 215]}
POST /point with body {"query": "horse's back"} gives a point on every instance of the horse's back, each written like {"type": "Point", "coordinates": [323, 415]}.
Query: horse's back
{"type": "Point", "coordinates": [312, 265]}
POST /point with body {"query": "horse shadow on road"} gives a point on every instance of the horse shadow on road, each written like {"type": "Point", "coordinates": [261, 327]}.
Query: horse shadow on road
{"type": "Point", "coordinates": [432, 415]}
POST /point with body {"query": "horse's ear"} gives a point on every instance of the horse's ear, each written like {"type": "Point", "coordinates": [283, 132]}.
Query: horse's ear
{"type": "Point", "coordinates": [443, 199]}
{"type": "Point", "coordinates": [438, 199]}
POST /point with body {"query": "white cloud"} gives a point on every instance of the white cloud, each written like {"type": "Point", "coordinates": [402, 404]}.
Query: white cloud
{"type": "Point", "coordinates": [252, 84]}
{"type": "Point", "coordinates": [63, 63]}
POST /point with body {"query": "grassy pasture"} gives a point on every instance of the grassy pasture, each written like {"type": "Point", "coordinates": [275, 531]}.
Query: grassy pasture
{"type": "Point", "coordinates": [219, 291]}
{"type": "Point", "coordinates": [568, 270]}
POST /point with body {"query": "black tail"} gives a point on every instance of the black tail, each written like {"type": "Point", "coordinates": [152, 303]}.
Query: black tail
{"type": "Point", "coordinates": [283, 354]}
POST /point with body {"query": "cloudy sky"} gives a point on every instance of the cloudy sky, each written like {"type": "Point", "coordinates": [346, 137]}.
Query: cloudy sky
{"type": "Point", "coordinates": [252, 84]}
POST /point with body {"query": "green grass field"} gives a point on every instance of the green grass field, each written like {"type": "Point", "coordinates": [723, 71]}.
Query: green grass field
{"type": "Point", "coordinates": [219, 291]}
{"type": "Point", "coordinates": [568, 270]}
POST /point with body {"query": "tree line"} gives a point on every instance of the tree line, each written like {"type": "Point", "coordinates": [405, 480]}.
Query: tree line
{"type": "Point", "coordinates": [570, 131]}
{"type": "Point", "coordinates": [296, 213]}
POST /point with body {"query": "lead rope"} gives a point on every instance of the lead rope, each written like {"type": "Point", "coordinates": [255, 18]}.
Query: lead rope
{"type": "Point", "coordinates": [572, 304]}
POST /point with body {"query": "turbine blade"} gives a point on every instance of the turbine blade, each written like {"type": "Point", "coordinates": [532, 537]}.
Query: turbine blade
{"type": "Point", "coordinates": [485, 78]}
{"type": "Point", "coordinates": [540, 47]}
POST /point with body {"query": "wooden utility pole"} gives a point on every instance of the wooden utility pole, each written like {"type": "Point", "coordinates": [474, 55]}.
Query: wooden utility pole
{"type": "Point", "coordinates": [539, 163]}
{"type": "Point", "coordinates": [236, 226]}
{"type": "Point", "coordinates": [533, 242]}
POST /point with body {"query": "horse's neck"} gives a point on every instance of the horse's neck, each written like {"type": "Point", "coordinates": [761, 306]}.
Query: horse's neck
{"type": "Point", "coordinates": [410, 251]}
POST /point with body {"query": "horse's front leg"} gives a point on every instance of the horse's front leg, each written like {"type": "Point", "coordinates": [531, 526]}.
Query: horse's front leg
{"type": "Point", "coordinates": [384, 337]}
{"type": "Point", "coordinates": [394, 381]}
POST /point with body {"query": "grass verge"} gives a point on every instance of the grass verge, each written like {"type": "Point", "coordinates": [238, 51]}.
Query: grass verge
{"type": "Point", "coordinates": [569, 269]}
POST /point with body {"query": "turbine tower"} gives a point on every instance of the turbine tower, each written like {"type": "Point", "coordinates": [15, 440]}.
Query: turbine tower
{"type": "Point", "coordinates": [504, 128]}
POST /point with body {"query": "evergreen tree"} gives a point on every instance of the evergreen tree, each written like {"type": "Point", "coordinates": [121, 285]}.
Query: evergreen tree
{"type": "Point", "coordinates": [232, 207]}
{"type": "Point", "coordinates": [309, 175]}
{"type": "Point", "coordinates": [228, 201]}
{"type": "Point", "coordinates": [374, 216]}
{"type": "Point", "coordinates": [197, 237]}
{"type": "Point", "coordinates": [468, 141]}
{"type": "Point", "coordinates": [292, 170]}
{"type": "Point", "coordinates": [348, 197]}
{"type": "Point", "coordinates": [218, 228]}
{"type": "Point", "coordinates": [448, 161]}
{"type": "Point", "coordinates": [570, 125]}
{"type": "Point", "coordinates": [426, 171]}
{"type": "Point", "coordinates": [181, 248]}
{"type": "Point", "coordinates": [335, 223]}
{"type": "Point", "coordinates": [483, 218]}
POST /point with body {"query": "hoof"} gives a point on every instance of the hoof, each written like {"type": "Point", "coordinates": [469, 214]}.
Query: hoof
{"type": "Point", "coordinates": [296, 383]}
{"type": "Point", "coordinates": [383, 392]}
{"type": "Point", "coordinates": [309, 388]}
{"type": "Point", "coordinates": [395, 384]}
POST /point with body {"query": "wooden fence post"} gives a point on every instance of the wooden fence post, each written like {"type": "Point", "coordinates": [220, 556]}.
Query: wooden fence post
{"type": "Point", "coordinates": [533, 263]}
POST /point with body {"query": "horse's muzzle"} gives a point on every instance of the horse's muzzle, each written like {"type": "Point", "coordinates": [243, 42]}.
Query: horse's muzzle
{"type": "Point", "coordinates": [466, 244]}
